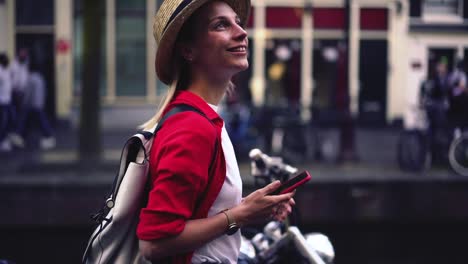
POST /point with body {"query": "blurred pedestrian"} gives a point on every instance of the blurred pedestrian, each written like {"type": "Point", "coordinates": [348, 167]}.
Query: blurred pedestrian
{"type": "Point", "coordinates": [435, 100]}
{"type": "Point", "coordinates": [5, 103]}
{"type": "Point", "coordinates": [458, 111]}
{"type": "Point", "coordinates": [19, 78]}
{"type": "Point", "coordinates": [193, 212]}
{"type": "Point", "coordinates": [435, 96]}
{"type": "Point", "coordinates": [19, 70]}
{"type": "Point", "coordinates": [33, 114]}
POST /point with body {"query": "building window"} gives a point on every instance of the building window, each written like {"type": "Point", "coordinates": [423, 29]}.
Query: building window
{"type": "Point", "coordinates": [78, 50]}
{"type": "Point", "coordinates": [33, 12]}
{"type": "Point", "coordinates": [442, 10]}
{"type": "Point", "coordinates": [131, 47]}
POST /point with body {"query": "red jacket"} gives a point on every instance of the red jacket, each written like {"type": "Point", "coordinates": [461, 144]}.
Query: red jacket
{"type": "Point", "coordinates": [181, 187]}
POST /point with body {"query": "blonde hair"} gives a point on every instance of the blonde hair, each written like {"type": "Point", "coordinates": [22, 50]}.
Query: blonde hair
{"type": "Point", "coordinates": [162, 106]}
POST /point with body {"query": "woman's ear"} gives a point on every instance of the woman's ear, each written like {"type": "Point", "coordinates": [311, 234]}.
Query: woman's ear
{"type": "Point", "coordinates": [186, 52]}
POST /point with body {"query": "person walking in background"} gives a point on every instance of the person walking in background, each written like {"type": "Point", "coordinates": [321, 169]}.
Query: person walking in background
{"type": "Point", "coordinates": [19, 78]}
{"type": "Point", "coordinates": [193, 212]}
{"type": "Point", "coordinates": [5, 103]}
{"type": "Point", "coordinates": [458, 110]}
{"type": "Point", "coordinates": [435, 95]}
{"type": "Point", "coordinates": [33, 113]}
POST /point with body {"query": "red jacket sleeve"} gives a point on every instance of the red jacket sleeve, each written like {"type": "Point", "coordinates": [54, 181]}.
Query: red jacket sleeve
{"type": "Point", "coordinates": [179, 163]}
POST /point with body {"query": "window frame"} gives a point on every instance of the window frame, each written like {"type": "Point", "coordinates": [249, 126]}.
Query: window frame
{"type": "Point", "coordinates": [442, 17]}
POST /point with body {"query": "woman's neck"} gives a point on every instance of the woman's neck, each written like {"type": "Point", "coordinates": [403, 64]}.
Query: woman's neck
{"type": "Point", "coordinates": [211, 90]}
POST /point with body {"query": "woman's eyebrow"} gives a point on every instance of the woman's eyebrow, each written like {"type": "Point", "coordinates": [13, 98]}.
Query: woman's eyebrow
{"type": "Point", "coordinates": [221, 18]}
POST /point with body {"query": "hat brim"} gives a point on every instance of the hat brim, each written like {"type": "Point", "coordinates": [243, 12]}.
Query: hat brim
{"type": "Point", "coordinates": [164, 54]}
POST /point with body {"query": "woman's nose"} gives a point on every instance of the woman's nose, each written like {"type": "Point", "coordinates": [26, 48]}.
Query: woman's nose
{"type": "Point", "coordinates": [240, 32]}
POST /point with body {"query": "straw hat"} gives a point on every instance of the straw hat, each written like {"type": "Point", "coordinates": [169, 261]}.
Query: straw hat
{"type": "Point", "coordinates": [168, 21]}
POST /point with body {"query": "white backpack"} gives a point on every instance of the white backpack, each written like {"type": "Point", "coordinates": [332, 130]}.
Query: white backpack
{"type": "Point", "coordinates": [114, 239]}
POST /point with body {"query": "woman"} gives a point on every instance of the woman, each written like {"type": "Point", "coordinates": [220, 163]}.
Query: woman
{"type": "Point", "coordinates": [194, 212]}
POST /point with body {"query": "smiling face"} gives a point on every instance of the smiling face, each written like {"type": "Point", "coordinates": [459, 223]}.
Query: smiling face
{"type": "Point", "coordinates": [220, 42]}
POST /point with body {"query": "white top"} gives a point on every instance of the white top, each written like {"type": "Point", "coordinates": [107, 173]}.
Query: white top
{"type": "Point", "coordinates": [35, 91]}
{"type": "Point", "coordinates": [5, 86]}
{"type": "Point", "coordinates": [224, 249]}
{"type": "Point", "coordinates": [19, 75]}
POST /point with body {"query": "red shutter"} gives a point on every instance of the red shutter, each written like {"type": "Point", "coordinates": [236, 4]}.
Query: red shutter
{"type": "Point", "coordinates": [283, 17]}
{"type": "Point", "coordinates": [329, 18]}
{"type": "Point", "coordinates": [374, 19]}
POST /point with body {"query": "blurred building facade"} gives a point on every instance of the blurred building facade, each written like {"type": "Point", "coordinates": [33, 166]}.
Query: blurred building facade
{"type": "Point", "coordinates": [321, 55]}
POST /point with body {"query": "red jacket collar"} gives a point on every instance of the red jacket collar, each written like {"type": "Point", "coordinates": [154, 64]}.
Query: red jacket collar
{"type": "Point", "coordinates": [189, 98]}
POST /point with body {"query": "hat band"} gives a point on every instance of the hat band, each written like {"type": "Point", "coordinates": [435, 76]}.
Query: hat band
{"type": "Point", "coordinates": [177, 11]}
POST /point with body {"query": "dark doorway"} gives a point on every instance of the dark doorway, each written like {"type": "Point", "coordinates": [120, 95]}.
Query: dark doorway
{"type": "Point", "coordinates": [329, 73]}
{"type": "Point", "coordinates": [41, 51]}
{"type": "Point", "coordinates": [283, 71]}
{"type": "Point", "coordinates": [438, 54]}
{"type": "Point", "coordinates": [373, 71]}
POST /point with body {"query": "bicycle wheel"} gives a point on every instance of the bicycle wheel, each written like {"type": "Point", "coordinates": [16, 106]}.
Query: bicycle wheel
{"type": "Point", "coordinates": [458, 155]}
{"type": "Point", "coordinates": [413, 154]}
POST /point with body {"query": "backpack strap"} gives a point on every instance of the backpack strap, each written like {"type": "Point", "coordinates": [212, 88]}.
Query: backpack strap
{"type": "Point", "coordinates": [178, 109]}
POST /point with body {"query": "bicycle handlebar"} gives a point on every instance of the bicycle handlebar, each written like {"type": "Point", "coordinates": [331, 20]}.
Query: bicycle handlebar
{"type": "Point", "coordinates": [269, 167]}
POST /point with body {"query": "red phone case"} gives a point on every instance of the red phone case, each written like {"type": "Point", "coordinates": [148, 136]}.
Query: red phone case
{"type": "Point", "coordinates": [294, 182]}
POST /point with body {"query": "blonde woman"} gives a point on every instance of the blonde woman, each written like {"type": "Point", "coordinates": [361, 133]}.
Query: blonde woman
{"type": "Point", "coordinates": [195, 207]}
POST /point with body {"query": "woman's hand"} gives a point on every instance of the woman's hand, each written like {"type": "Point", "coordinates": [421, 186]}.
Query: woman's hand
{"type": "Point", "coordinates": [282, 210]}
{"type": "Point", "coordinates": [260, 206]}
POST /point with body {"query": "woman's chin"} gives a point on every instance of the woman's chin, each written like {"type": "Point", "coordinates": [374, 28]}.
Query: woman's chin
{"type": "Point", "coordinates": [242, 66]}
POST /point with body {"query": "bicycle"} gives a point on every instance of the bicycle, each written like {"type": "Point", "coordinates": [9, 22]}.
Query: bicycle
{"type": "Point", "coordinates": [281, 242]}
{"type": "Point", "coordinates": [416, 147]}
{"type": "Point", "coordinates": [458, 152]}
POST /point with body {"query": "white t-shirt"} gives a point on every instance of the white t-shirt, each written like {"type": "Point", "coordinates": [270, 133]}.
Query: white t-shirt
{"type": "Point", "coordinates": [35, 91]}
{"type": "Point", "coordinates": [224, 249]}
{"type": "Point", "coordinates": [19, 75]}
{"type": "Point", "coordinates": [5, 86]}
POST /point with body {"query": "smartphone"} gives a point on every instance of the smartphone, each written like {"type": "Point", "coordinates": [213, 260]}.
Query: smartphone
{"type": "Point", "coordinates": [294, 182]}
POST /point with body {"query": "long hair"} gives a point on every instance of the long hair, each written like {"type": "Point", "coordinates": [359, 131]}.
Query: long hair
{"type": "Point", "coordinates": [162, 106]}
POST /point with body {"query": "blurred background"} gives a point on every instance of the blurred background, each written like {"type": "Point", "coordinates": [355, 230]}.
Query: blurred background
{"type": "Point", "coordinates": [368, 95]}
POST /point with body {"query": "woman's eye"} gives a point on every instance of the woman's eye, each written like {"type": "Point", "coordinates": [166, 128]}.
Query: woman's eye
{"type": "Point", "coordinates": [221, 25]}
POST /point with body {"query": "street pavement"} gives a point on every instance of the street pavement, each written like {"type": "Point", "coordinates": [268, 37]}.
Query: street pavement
{"type": "Point", "coordinates": [376, 150]}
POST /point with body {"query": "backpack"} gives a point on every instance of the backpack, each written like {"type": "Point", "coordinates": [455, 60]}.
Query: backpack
{"type": "Point", "coordinates": [114, 239]}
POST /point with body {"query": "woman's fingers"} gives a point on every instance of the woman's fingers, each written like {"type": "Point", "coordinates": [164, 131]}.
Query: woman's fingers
{"type": "Point", "coordinates": [281, 215]}
{"type": "Point", "coordinates": [260, 204]}
{"type": "Point", "coordinates": [281, 211]}
{"type": "Point", "coordinates": [292, 202]}
{"type": "Point", "coordinates": [271, 187]}
{"type": "Point", "coordinates": [281, 198]}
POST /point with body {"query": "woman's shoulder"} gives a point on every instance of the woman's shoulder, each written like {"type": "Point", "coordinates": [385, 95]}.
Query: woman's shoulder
{"type": "Point", "coordinates": [189, 122]}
